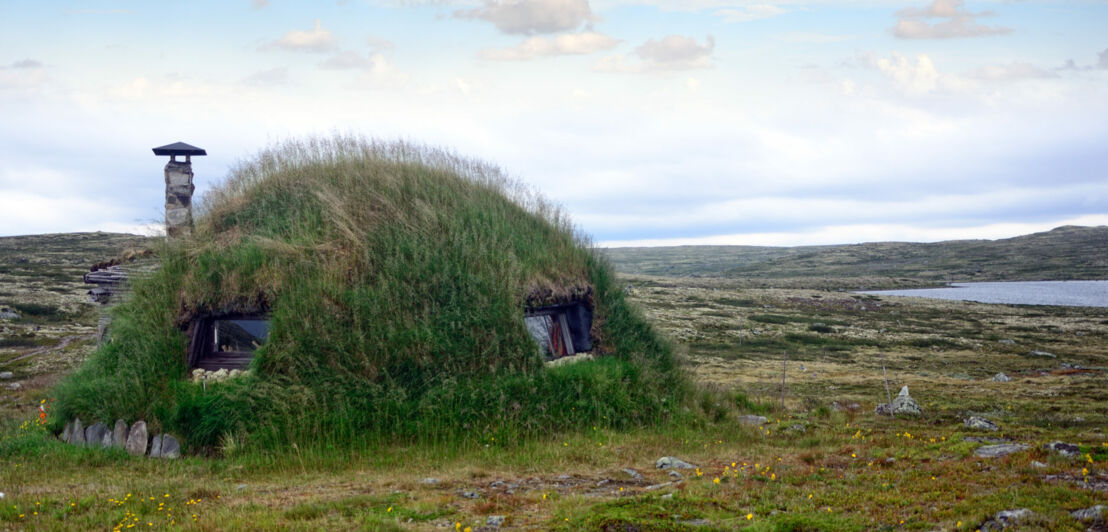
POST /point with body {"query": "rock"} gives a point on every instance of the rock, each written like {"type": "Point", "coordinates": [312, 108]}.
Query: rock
{"type": "Point", "coordinates": [119, 434]}
{"type": "Point", "coordinates": [1095, 513]}
{"type": "Point", "coordinates": [171, 448]}
{"type": "Point", "coordinates": [902, 405]}
{"type": "Point", "coordinates": [240, 487]}
{"type": "Point", "coordinates": [6, 375]}
{"type": "Point", "coordinates": [848, 407]}
{"type": "Point", "coordinates": [156, 446]}
{"type": "Point", "coordinates": [1038, 465]}
{"type": "Point", "coordinates": [675, 475]}
{"type": "Point", "coordinates": [136, 439]}
{"type": "Point", "coordinates": [430, 481]}
{"type": "Point", "coordinates": [749, 419]}
{"type": "Point", "coordinates": [1005, 519]}
{"type": "Point", "coordinates": [797, 428]}
{"type": "Point", "coordinates": [495, 521]}
{"type": "Point", "coordinates": [13, 386]}
{"type": "Point", "coordinates": [1041, 354]}
{"type": "Point", "coordinates": [635, 475]}
{"type": "Point", "coordinates": [470, 494]}
{"type": "Point", "coordinates": [67, 432]}
{"type": "Point", "coordinates": [77, 437]}
{"type": "Point", "coordinates": [984, 439]}
{"type": "Point", "coordinates": [697, 522]}
{"type": "Point", "coordinates": [1000, 377]}
{"type": "Point", "coordinates": [658, 486]}
{"type": "Point", "coordinates": [1007, 341]}
{"type": "Point", "coordinates": [97, 434]}
{"type": "Point", "coordinates": [980, 423]}
{"type": "Point", "coordinates": [1068, 450]}
{"type": "Point", "coordinates": [995, 451]}
{"type": "Point", "coordinates": [670, 462]}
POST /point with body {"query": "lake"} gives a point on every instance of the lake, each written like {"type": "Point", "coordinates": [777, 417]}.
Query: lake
{"type": "Point", "coordinates": [1065, 293]}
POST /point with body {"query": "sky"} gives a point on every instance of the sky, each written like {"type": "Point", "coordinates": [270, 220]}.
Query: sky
{"type": "Point", "coordinates": [652, 122]}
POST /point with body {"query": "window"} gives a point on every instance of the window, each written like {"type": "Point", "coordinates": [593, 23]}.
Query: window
{"type": "Point", "coordinates": [560, 330]}
{"type": "Point", "coordinates": [226, 342]}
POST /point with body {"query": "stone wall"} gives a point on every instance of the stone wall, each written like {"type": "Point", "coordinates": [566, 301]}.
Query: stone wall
{"type": "Point", "coordinates": [134, 439]}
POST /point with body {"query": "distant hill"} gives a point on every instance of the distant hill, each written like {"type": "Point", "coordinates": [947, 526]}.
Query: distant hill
{"type": "Point", "coordinates": [1063, 253]}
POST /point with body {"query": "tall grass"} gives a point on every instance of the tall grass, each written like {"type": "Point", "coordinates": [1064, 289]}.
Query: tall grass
{"type": "Point", "coordinates": [395, 277]}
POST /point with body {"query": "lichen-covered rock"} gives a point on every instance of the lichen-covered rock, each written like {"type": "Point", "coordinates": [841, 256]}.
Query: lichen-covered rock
{"type": "Point", "coordinates": [902, 405]}
{"type": "Point", "coordinates": [1005, 519]}
{"type": "Point", "coordinates": [171, 448]}
{"type": "Point", "coordinates": [980, 423]}
{"type": "Point", "coordinates": [137, 439]}
{"type": "Point", "coordinates": [996, 451]}
{"type": "Point", "coordinates": [119, 434]}
{"type": "Point", "coordinates": [1068, 450]}
{"type": "Point", "coordinates": [670, 462]}
{"type": "Point", "coordinates": [97, 434]}
{"type": "Point", "coordinates": [77, 437]}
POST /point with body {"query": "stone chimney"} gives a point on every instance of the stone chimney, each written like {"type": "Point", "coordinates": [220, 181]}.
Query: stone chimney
{"type": "Point", "coordinates": [178, 187]}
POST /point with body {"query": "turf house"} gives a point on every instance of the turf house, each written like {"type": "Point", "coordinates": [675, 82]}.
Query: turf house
{"type": "Point", "coordinates": [368, 292]}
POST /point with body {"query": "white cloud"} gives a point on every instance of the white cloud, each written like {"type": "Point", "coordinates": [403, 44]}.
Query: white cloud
{"type": "Point", "coordinates": [954, 21]}
{"type": "Point", "coordinates": [673, 52]}
{"type": "Point", "coordinates": [801, 37]}
{"type": "Point", "coordinates": [270, 77]}
{"type": "Point", "coordinates": [383, 74]}
{"type": "Point", "coordinates": [259, 4]}
{"type": "Point", "coordinates": [917, 76]}
{"type": "Point", "coordinates": [1010, 72]}
{"type": "Point", "coordinates": [529, 17]}
{"type": "Point", "coordinates": [747, 13]}
{"type": "Point", "coordinates": [346, 60]}
{"type": "Point", "coordinates": [27, 63]}
{"type": "Point", "coordinates": [317, 40]}
{"type": "Point", "coordinates": [1102, 59]}
{"type": "Point", "coordinates": [586, 42]}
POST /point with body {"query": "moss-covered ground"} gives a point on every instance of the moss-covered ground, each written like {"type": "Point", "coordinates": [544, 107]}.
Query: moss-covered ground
{"type": "Point", "coordinates": [822, 462]}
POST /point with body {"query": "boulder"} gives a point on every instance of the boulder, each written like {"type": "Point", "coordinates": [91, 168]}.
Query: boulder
{"type": "Point", "coordinates": [119, 434]}
{"type": "Point", "coordinates": [6, 375]}
{"type": "Point", "coordinates": [495, 521]}
{"type": "Point", "coordinates": [67, 432]}
{"type": "Point", "coordinates": [1005, 519]}
{"type": "Point", "coordinates": [902, 405]}
{"type": "Point", "coordinates": [156, 446]}
{"type": "Point", "coordinates": [97, 434]}
{"type": "Point", "coordinates": [670, 462]}
{"type": "Point", "coordinates": [1068, 450]}
{"type": "Point", "coordinates": [171, 448]}
{"type": "Point", "coordinates": [996, 451]}
{"type": "Point", "coordinates": [749, 419]}
{"type": "Point", "coordinates": [136, 439]}
{"type": "Point", "coordinates": [77, 437]}
{"type": "Point", "coordinates": [1000, 377]}
{"type": "Point", "coordinates": [1092, 514]}
{"type": "Point", "coordinates": [980, 423]}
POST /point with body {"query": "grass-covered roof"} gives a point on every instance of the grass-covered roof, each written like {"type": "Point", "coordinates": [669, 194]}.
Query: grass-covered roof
{"type": "Point", "coordinates": [395, 277]}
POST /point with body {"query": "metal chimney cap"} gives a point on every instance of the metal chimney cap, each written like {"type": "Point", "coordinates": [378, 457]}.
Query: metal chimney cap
{"type": "Point", "coordinates": [179, 148]}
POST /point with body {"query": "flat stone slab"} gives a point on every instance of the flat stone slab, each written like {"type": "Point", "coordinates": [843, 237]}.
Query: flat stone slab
{"type": "Point", "coordinates": [171, 448]}
{"type": "Point", "coordinates": [996, 451]}
{"type": "Point", "coordinates": [77, 437]}
{"type": "Point", "coordinates": [119, 434]}
{"type": "Point", "coordinates": [137, 439]}
{"type": "Point", "coordinates": [749, 419]}
{"type": "Point", "coordinates": [97, 435]}
{"type": "Point", "coordinates": [156, 446]}
{"type": "Point", "coordinates": [671, 462]}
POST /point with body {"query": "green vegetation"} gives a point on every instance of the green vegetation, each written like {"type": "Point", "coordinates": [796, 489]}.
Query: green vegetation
{"type": "Point", "coordinates": [396, 279]}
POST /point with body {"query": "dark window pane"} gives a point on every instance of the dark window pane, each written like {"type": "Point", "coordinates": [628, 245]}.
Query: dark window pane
{"type": "Point", "coordinates": [239, 335]}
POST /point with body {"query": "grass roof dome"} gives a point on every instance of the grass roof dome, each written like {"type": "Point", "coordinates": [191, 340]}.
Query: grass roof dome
{"type": "Point", "coordinates": [395, 278]}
